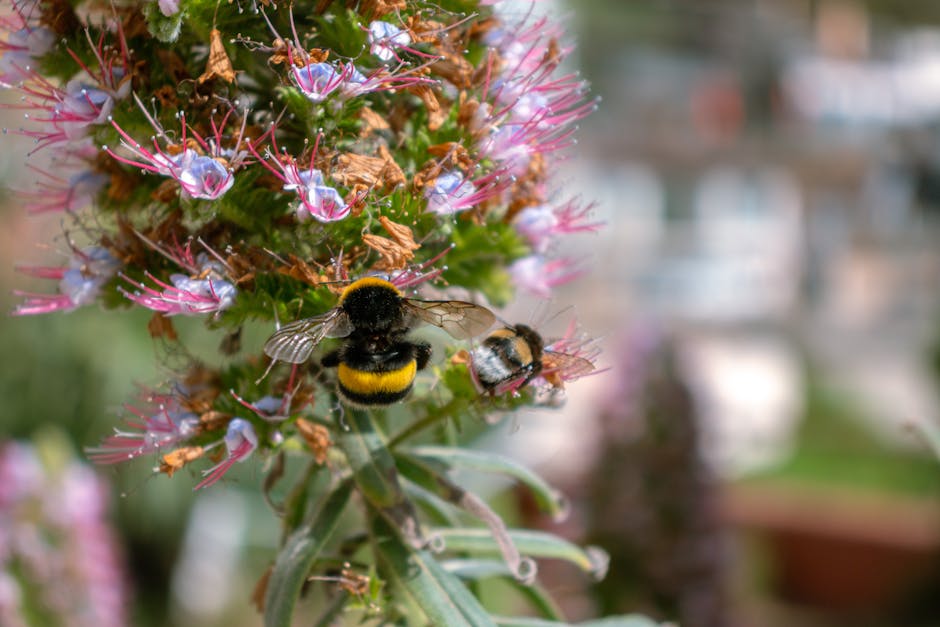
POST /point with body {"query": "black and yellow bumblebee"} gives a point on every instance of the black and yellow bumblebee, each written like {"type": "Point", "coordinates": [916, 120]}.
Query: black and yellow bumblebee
{"type": "Point", "coordinates": [376, 363]}
{"type": "Point", "coordinates": [512, 356]}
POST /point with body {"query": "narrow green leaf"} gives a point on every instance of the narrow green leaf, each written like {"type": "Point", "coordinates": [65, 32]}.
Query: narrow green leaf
{"type": "Point", "coordinates": [441, 597]}
{"type": "Point", "coordinates": [477, 569]}
{"type": "Point", "coordinates": [301, 550]}
{"type": "Point", "coordinates": [372, 465]}
{"type": "Point", "coordinates": [631, 620]}
{"type": "Point", "coordinates": [548, 498]}
{"type": "Point", "coordinates": [477, 541]}
{"type": "Point", "coordinates": [441, 511]}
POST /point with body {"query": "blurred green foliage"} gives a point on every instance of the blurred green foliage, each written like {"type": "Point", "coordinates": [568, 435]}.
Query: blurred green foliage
{"type": "Point", "coordinates": [835, 447]}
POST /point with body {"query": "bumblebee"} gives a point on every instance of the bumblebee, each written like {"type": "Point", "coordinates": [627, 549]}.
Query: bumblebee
{"type": "Point", "coordinates": [511, 357]}
{"type": "Point", "coordinates": [376, 364]}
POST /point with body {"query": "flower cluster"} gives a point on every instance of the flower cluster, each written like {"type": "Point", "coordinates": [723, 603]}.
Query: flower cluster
{"type": "Point", "coordinates": [249, 168]}
{"type": "Point", "coordinates": [58, 557]}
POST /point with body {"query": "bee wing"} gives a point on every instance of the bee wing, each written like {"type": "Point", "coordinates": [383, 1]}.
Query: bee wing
{"type": "Point", "coordinates": [569, 366]}
{"type": "Point", "coordinates": [460, 319]}
{"type": "Point", "coordinates": [294, 342]}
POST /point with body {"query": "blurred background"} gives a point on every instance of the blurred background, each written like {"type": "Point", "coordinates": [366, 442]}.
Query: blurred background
{"type": "Point", "coordinates": [759, 450]}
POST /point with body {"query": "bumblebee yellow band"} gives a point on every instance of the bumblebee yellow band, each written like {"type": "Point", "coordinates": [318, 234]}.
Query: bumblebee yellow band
{"type": "Point", "coordinates": [365, 382]}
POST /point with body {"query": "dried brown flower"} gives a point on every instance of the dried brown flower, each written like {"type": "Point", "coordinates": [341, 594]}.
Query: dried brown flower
{"type": "Point", "coordinates": [218, 64]}
{"type": "Point", "coordinates": [317, 438]}
{"type": "Point", "coordinates": [176, 459]}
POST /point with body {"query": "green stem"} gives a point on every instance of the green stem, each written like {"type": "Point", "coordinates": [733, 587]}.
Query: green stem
{"type": "Point", "coordinates": [433, 417]}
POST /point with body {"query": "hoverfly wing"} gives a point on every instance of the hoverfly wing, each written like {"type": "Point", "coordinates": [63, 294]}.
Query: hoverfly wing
{"type": "Point", "coordinates": [569, 366]}
{"type": "Point", "coordinates": [460, 319]}
{"type": "Point", "coordinates": [294, 342]}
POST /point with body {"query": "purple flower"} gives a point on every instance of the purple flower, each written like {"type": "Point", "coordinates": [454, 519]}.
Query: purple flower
{"type": "Point", "coordinates": [385, 39]}
{"type": "Point", "coordinates": [317, 80]}
{"type": "Point", "coordinates": [81, 106]}
{"type": "Point", "coordinates": [203, 177]}
{"type": "Point", "coordinates": [317, 200]}
{"type": "Point", "coordinates": [448, 193]}
{"type": "Point", "coordinates": [79, 283]}
{"type": "Point", "coordinates": [509, 146]}
{"type": "Point", "coordinates": [272, 409]}
{"type": "Point", "coordinates": [452, 193]}
{"type": "Point", "coordinates": [240, 440]}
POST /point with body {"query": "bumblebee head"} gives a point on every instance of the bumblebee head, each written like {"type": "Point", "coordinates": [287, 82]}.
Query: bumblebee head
{"type": "Point", "coordinates": [372, 304]}
{"type": "Point", "coordinates": [531, 338]}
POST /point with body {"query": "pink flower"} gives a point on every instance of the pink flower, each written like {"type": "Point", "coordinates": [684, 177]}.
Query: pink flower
{"type": "Point", "coordinates": [206, 173]}
{"type": "Point", "coordinates": [240, 440]}
{"type": "Point", "coordinates": [186, 296]}
{"type": "Point", "coordinates": [538, 275]}
{"type": "Point", "coordinates": [542, 224]}
{"type": "Point", "coordinates": [169, 425]}
{"type": "Point", "coordinates": [55, 193]}
{"type": "Point", "coordinates": [66, 113]}
{"type": "Point", "coordinates": [57, 551]}
{"type": "Point", "coordinates": [169, 7]}
{"type": "Point", "coordinates": [317, 200]}
{"type": "Point", "coordinates": [79, 283]}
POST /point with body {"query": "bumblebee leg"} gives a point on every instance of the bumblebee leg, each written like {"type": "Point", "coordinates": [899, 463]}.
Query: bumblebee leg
{"type": "Point", "coordinates": [535, 369]}
{"type": "Point", "coordinates": [422, 351]}
{"type": "Point", "coordinates": [331, 359]}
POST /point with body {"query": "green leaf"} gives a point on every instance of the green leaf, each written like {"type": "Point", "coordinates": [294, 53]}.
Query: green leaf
{"type": "Point", "coordinates": [631, 620]}
{"type": "Point", "coordinates": [548, 498]}
{"type": "Point", "coordinates": [440, 596]}
{"type": "Point", "coordinates": [300, 552]}
{"type": "Point", "coordinates": [477, 541]}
